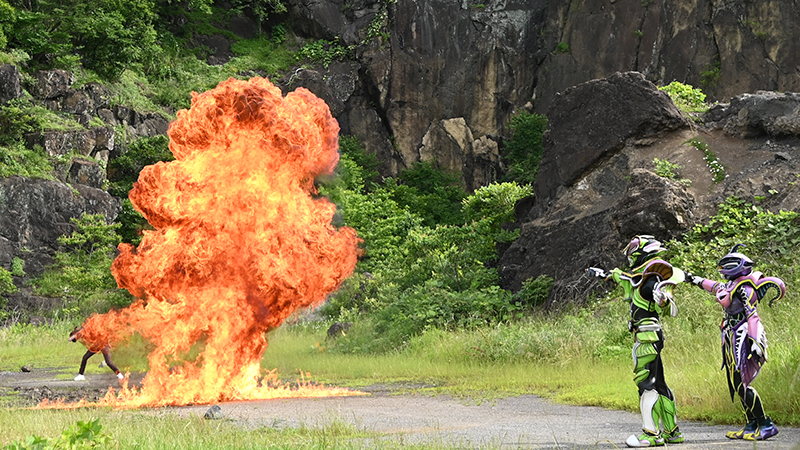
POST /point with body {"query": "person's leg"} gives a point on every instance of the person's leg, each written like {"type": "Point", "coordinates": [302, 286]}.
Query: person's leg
{"type": "Point", "coordinates": [84, 360]}
{"type": "Point", "coordinates": [645, 372]}
{"type": "Point", "coordinates": [665, 407]}
{"type": "Point", "coordinates": [759, 426]}
{"type": "Point", "coordinates": [110, 364]}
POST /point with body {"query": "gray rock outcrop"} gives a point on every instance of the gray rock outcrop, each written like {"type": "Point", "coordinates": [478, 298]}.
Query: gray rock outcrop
{"type": "Point", "coordinates": [35, 213]}
{"type": "Point", "coordinates": [439, 60]}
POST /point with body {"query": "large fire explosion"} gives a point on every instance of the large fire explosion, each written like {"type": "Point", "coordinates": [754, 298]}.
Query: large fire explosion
{"type": "Point", "coordinates": [239, 243]}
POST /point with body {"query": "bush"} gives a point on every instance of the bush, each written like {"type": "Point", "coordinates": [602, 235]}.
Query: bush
{"type": "Point", "coordinates": [495, 202]}
{"type": "Point", "coordinates": [770, 239]}
{"type": "Point", "coordinates": [431, 305]}
{"type": "Point", "coordinates": [124, 170]}
{"type": "Point", "coordinates": [109, 35]}
{"type": "Point", "coordinates": [6, 283]}
{"type": "Point", "coordinates": [431, 193]}
{"type": "Point", "coordinates": [524, 149]}
{"type": "Point", "coordinates": [686, 97]}
{"type": "Point", "coordinates": [81, 273]}
{"type": "Point", "coordinates": [534, 292]}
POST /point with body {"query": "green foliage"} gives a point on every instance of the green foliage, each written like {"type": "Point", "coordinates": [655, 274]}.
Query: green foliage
{"type": "Point", "coordinates": [15, 159]}
{"type": "Point", "coordinates": [524, 149]}
{"type": "Point", "coordinates": [261, 9]}
{"type": "Point", "coordinates": [771, 238]}
{"type": "Point", "coordinates": [534, 291]}
{"type": "Point", "coordinates": [431, 193]}
{"type": "Point", "coordinates": [324, 52]}
{"type": "Point", "coordinates": [357, 295]}
{"type": "Point", "coordinates": [19, 117]}
{"type": "Point", "coordinates": [381, 223]}
{"type": "Point", "coordinates": [453, 256]}
{"type": "Point", "coordinates": [430, 306]}
{"type": "Point", "coordinates": [716, 168]}
{"type": "Point", "coordinates": [267, 56]}
{"type": "Point", "coordinates": [686, 97]}
{"type": "Point", "coordinates": [124, 170]}
{"type": "Point", "coordinates": [561, 48]}
{"type": "Point", "coordinates": [81, 273]}
{"type": "Point", "coordinates": [375, 28]}
{"type": "Point", "coordinates": [17, 267]}
{"type": "Point", "coordinates": [368, 163]}
{"type": "Point", "coordinates": [6, 284]}
{"type": "Point", "coordinates": [109, 35]}
{"type": "Point", "coordinates": [82, 436]}
{"type": "Point", "coordinates": [495, 202]}
{"type": "Point", "coordinates": [709, 78]}
{"type": "Point", "coordinates": [671, 171]}
{"type": "Point", "coordinates": [131, 223]}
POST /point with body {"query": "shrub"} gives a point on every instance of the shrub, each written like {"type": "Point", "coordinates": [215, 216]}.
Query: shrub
{"type": "Point", "coordinates": [534, 292]}
{"type": "Point", "coordinates": [431, 305]}
{"type": "Point", "coordinates": [524, 149]}
{"type": "Point", "coordinates": [666, 169]}
{"type": "Point", "coordinates": [686, 97]}
{"type": "Point", "coordinates": [81, 273]}
{"type": "Point", "coordinates": [109, 35]}
{"type": "Point", "coordinates": [431, 193]}
{"type": "Point", "coordinates": [495, 202]}
{"type": "Point", "coordinates": [6, 283]}
{"type": "Point", "coordinates": [770, 238]}
{"type": "Point", "coordinates": [124, 170]}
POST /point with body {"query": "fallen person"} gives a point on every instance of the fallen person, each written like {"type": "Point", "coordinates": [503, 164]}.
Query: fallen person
{"type": "Point", "coordinates": [92, 349]}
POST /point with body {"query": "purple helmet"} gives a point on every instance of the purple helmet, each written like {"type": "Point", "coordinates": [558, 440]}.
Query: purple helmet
{"type": "Point", "coordinates": [642, 247]}
{"type": "Point", "coordinates": [734, 264]}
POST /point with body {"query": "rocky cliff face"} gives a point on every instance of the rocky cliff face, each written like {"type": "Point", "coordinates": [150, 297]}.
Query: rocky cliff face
{"type": "Point", "coordinates": [445, 60]}
{"type": "Point", "coordinates": [597, 187]}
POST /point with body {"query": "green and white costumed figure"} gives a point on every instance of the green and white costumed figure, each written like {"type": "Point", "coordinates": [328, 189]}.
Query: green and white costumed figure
{"type": "Point", "coordinates": [648, 286]}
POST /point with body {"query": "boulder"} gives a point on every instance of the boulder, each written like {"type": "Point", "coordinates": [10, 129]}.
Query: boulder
{"type": "Point", "coordinates": [653, 205]}
{"type": "Point", "coordinates": [10, 83]}
{"type": "Point", "coordinates": [761, 114]}
{"type": "Point", "coordinates": [87, 173]}
{"type": "Point", "coordinates": [52, 83]}
{"type": "Point", "coordinates": [592, 192]}
{"type": "Point", "coordinates": [608, 112]}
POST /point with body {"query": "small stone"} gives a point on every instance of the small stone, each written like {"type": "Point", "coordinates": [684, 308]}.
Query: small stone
{"type": "Point", "coordinates": [214, 413]}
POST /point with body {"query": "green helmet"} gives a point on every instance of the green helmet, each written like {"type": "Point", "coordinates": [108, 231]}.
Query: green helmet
{"type": "Point", "coordinates": [641, 248]}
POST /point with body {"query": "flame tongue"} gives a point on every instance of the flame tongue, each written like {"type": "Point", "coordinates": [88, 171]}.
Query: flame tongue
{"type": "Point", "coordinates": [239, 241]}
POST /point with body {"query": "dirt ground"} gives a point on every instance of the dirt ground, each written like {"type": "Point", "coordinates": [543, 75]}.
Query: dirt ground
{"type": "Point", "coordinates": [524, 422]}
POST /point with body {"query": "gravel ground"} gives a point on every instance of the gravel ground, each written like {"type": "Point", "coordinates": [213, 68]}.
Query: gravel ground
{"type": "Point", "coordinates": [524, 422]}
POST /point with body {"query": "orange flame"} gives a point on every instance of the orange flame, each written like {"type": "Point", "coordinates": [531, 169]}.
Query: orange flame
{"type": "Point", "coordinates": [239, 242]}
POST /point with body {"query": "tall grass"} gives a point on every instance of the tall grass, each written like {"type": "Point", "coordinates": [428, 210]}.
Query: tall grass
{"type": "Point", "coordinates": [579, 357]}
{"type": "Point", "coordinates": [158, 429]}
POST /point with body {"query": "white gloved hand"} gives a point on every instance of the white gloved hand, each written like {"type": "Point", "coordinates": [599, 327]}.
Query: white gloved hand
{"type": "Point", "coordinates": [697, 281]}
{"type": "Point", "coordinates": [756, 349]}
{"type": "Point", "coordinates": [661, 297]}
{"type": "Point", "coordinates": [595, 272]}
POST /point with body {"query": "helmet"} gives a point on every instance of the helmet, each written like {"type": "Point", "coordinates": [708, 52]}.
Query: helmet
{"type": "Point", "coordinates": [734, 264]}
{"type": "Point", "coordinates": [641, 248]}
